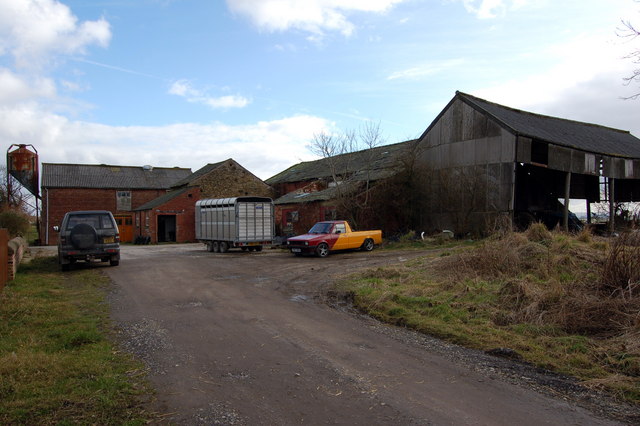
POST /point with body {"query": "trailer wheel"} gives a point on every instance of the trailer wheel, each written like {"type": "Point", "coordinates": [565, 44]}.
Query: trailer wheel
{"type": "Point", "coordinates": [224, 247]}
{"type": "Point", "coordinates": [243, 248]}
{"type": "Point", "coordinates": [322, 250]}
{"type": "Point", "coordinates": [367, 245]}
{"type": "Point", "coordinates": [259, 248]}
{"type": "Point", "coordinates": [215, 247]}
{"type": "Point", "coordinates": [209, 246]}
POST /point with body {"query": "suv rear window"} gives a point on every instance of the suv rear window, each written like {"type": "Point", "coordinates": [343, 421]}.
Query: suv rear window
{"type": "Point", "coordinates": [98, 221]}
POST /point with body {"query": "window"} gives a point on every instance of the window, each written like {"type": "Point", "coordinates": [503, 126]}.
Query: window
{"type": "Point", "coordinates": [339, 229]}
{"type": "Point", "coordinates": [123, 200]}
{"type": "Point", "coordinates": [292, 217]}
{"type": "Point", "coordinates": [97, 221]}
{"type": "Point", "coordinates": [540, 152]}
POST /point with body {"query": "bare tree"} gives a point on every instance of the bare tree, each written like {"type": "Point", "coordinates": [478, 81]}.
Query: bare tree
{"type": "Point", "coordinates": [630, 32]}
{"type": "Point", "coordinates": [349, 157]}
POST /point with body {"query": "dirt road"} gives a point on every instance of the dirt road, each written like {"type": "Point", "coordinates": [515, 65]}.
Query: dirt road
{"type": "Point", "coordinates": [243, 338]}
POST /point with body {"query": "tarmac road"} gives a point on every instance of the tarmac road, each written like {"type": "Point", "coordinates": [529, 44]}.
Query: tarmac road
{"type": "Point", "coordinates": [244, 338]}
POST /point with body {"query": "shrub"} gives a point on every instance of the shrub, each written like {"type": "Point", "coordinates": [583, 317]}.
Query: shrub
{"type": "Point", "coordinates": [16, 223]}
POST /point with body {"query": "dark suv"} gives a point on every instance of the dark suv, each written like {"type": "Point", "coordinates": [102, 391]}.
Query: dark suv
{"type": "Point", "coordinates": [88, 235]}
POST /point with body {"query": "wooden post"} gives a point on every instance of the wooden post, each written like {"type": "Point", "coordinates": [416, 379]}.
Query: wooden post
{"type": "Point", "coordinates": [4, 257]}
{"type": "Point", "coordinates": [588, 212]}
{"type": "Point", "coordinates": [567, 195]}
{"type": "Point", "coordinates": [612, 206]}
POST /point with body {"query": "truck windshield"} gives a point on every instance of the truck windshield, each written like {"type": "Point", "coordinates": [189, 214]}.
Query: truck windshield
{"type": "Point", "coordinates": [321, 228]}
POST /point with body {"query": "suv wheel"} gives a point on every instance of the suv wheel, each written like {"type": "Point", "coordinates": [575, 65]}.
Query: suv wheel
{"type": "Point", "coordinates": [83, 236]}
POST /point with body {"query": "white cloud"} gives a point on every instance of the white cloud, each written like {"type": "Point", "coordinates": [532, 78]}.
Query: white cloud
{"type": "Point", "coordinates": [586, 84]}
{"type": "Point", "coordinates": [312, 16]}
{"type": "Point", "coordinates": [486, 9]}
{"type": "Point", "coordinates": [183, 88]}
{"type": "Point", "coordinates": [33, 31]}
{"type": "Point", "coordinates": [264, 148]}
{"type": "Point", "coordinates": [15, 88]}
{"type": "Point", "coordinates": [425, 70]}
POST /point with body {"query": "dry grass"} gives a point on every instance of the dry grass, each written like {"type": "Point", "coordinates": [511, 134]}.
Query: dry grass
{"type": "Point", "coordinates": [568, 303]}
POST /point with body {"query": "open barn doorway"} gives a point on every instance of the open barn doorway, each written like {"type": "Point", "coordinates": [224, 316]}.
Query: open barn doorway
{"type": "Point", "coordinates": [167, 228]}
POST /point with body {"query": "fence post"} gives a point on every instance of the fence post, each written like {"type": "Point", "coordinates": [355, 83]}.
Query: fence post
{"type": "Point", "coordinates": [4, 257]}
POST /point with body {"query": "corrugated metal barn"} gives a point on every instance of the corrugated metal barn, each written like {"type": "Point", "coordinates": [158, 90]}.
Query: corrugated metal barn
{"type": "Point", "coordinates": [481, 160]}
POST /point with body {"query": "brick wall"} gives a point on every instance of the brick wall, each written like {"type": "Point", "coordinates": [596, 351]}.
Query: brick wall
{"type": "Point", "coordinates": [182, 207]}
{"type": "Point", "coordinates": [57, 201]}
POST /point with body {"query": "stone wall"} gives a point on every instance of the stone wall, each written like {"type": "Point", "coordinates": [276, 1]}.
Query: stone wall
{"type": "Point", "coordinates": [232, 180]}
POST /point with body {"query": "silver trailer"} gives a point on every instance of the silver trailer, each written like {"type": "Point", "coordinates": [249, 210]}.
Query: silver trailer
{"type": "Point", "coordinates": [244, 222]}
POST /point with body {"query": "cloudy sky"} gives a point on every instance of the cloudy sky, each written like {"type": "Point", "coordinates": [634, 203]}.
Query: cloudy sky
{"type": "Point", "coordinates": [189, 82]}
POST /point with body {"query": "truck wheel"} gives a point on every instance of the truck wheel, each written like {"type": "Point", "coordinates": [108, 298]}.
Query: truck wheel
{"type": "Point", "coordinates": [367, 245]}
{"type": "Point", "coordinates": [322, 250]}
{"type": "Point", "coordinates": [224, 247]}
{"type": "Point", "coordinates": [215, 247]}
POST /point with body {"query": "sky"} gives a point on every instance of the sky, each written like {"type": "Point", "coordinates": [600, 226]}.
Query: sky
{"type": "Point", "coordinates": [189, 82]}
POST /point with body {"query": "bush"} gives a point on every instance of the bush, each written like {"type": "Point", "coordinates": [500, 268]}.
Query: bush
{"type": "Point", "coordinates": [16, 223]}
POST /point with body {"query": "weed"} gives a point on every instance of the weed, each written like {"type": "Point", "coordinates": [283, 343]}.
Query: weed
{"type": "Point", "coordinates": [568, 303]}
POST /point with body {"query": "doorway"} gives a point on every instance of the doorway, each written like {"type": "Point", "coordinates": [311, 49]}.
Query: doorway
{"type": "Point", "coordinates": [125, 227]}
{"type": "Point", "coordinates": [166, 228]}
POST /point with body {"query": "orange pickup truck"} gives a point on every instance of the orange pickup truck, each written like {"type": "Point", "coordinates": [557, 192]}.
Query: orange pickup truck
{"type": "Point", "coordinates": [332, 235]}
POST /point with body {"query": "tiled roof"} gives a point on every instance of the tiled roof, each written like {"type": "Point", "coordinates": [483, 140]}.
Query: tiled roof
{"type": "Point", "coordinates": [165, 198]}
{"type": "Point", "coordinates": [575, 134]}
{"type": "Point", "coordinates": [109, 176]}
{"type": "Point", "coordinates": [199, 173]}
{"type": "Point", "coordinates": [370, 164]}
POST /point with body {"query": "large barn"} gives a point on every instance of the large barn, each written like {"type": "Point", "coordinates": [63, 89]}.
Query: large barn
{"type": "Point", "coordinates": [481, 160]}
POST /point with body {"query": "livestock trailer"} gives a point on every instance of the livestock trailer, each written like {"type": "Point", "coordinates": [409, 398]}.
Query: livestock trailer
{"type": "Point", "coordinates": [244, 222]}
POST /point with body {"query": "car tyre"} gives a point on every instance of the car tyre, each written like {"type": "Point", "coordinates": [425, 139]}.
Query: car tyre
{"type": "Point", "coordinates": [65, 267]}
{"type": "Point", "coordinates": [83, 236]}
{"type": "Point", "coordinates": [322, 250]}
{"type": "Point", "coordinates": [367, 245]}
{"type": "Point", "coordinates": [113, 262]}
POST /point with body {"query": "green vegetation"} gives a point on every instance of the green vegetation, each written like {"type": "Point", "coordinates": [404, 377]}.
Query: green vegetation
{"type": "Point", "coordinates": [16, 222]}
{"type": "Point", "coordinates": [565, 303]}
{"type": "Point", "coordinates": [56, 364]}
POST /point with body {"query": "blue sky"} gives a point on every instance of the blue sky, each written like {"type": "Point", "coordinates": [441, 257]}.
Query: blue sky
{"type": "Point", "coordinates": [185, 83]}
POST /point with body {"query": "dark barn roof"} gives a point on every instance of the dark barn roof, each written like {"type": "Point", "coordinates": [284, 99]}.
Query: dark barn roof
{"type": "Point", "coordinates": [373, 164]}
{"type": "Point", "coordinates": [165, 198]}
{"type": "Point", "coordinates": [574, 134]}
{"type": "Point", "coordinates": [203, 171]}
{"type": "Point", "coordinates": [109, 176]}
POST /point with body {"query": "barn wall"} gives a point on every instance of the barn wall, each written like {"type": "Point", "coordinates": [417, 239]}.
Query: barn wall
{"type": "Point", "coordinates": [58, 201]}
{"type": "Point", "coordinates": [182, 207]}
{"type": "Point", "coordinates": [466, 163]}
{"type": "Point", "coordinates": [232, 180]}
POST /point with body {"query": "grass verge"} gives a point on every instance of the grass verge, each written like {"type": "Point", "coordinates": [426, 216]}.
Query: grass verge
{"type": "Point", "coordinates": [57, 365]}
{"type": "Point", "coordinates": [547, 296]}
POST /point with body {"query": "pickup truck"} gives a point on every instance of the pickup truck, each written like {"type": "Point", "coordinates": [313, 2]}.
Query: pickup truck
{"type": "Point", "coordinates": [332, 235]}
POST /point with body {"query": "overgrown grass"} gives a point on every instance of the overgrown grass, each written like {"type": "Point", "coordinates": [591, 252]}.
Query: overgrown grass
{"type": "Point", "coordinates": [57, 365]}
{"type": "Point", "coordinates": [549, 296]}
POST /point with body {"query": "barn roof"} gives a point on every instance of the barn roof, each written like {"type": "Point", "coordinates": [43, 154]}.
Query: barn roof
{"type": "Point", "coordinates": [163, 199]}
{"type": "Point", "coordinates": [373, 164]}
{"type": "Point", "coordinates": [203, 171]}
{"type": "Point", "coordinates": [110, 176]}
{"type": "Point", "coordinates": [574, 134]}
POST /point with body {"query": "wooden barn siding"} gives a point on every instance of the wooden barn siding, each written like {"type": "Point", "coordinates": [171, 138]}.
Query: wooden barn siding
{"type": "Point", "coordinates": [464, 142]}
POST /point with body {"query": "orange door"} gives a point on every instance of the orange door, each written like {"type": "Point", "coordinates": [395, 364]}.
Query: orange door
{"type": "Point", "coordinates": [125, 226]}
